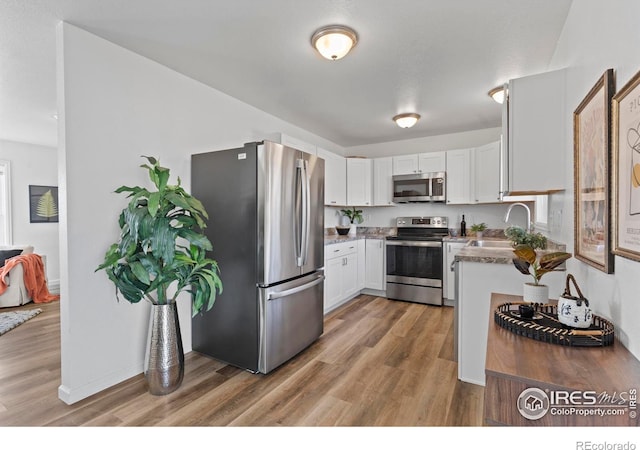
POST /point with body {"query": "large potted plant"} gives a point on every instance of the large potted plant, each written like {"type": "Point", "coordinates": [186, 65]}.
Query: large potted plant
{"type": "Point", "coordinates": [161, 253]}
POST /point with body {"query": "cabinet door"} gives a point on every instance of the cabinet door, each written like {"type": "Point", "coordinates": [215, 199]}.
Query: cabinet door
{"type": "Point", "coordinates": [375, 266]}
{"type": "Point", "coordinates": [332, 282]}
{"type": "Point", "coordinates": [432, 162]}
{"type": "Point", "coordinates": [362, 263]}
{"type": "Point", "coordinates": [405, 164]}
{"type": "Point", "coordinates": [349, 275]}
{"type": "Point", "coordinates": [536, 127]}
{"type": "Point", "coordinates": [459, 176]}
{"type": "Point", "coordinates": [335, 178]}
{"type": "Point", "coordinates": [383, 181]}
{"type": "Point", "coordinates": [359, 185]}
{"type": "Point", "coordinates": [487, 173]}
{"type": "Point", "coordinates": [448, 284]}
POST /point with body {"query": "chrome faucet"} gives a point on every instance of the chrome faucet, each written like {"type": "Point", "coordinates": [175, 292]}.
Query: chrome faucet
{"type": "Point", "coordinates": [506, 217]}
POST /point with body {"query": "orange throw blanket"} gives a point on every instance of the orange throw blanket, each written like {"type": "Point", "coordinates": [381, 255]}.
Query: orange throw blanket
{"type": "Point", "coordinates": [34, 278]}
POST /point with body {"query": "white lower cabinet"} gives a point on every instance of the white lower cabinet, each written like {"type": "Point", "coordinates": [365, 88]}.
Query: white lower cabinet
{"type": "Point", "coordinates": [375, 264]}
{"type": "Point", "coordinates": [451, 249]}
{"type": "Point", "coordinates": [341, 273]}
{"type": "Point", "coordinates": [362, 263]}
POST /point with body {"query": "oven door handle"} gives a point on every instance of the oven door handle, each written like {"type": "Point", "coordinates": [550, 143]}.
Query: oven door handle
{"type": "Point", "coordinates": [415, 243]}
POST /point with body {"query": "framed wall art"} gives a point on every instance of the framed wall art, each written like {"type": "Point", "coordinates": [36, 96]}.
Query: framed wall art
{"type": "Point", "coordinates": [592, 175]}
{"type": "Point", "coordinates": [43, 204]}
{"type": "Point", "coordinates": [625, 108]}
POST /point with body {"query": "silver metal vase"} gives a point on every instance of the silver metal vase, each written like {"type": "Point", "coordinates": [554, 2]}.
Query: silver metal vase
{"type": "Point", "coordinates": [164, 361]}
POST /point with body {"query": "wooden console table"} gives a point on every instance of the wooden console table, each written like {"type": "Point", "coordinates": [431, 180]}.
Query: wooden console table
{"type": "Point", "coordinates": [515, 363]}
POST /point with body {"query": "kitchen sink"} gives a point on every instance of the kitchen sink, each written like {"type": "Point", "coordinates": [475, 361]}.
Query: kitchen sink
{"type": "Point", "coordinates": [487, 243]}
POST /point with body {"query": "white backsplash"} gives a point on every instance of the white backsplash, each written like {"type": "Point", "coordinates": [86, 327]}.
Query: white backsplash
{"type": "Point", "coordinates": [385, 216]}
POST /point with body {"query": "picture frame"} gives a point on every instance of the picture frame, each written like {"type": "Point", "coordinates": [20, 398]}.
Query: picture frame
{"type": "Point", "coordinates": [43, 204]}
{"type": "Point", "coordinates": [625, 108]}
{"type": "Point", "coordinates": [592, 175]}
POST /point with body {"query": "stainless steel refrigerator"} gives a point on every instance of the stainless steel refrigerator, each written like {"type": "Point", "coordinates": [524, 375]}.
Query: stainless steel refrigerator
{"type": "Point", "coordinates": [266, 222]}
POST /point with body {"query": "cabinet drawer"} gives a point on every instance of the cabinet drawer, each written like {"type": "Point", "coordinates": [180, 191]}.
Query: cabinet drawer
{"type": "Point", "coordinates": [341, 249]}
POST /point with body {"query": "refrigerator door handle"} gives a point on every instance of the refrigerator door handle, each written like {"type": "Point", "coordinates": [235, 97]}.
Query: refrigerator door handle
{"type": "Point", "coordinates": [304, 213]}
{"type": "Point", "coordinates": [274, 295]}
{"type": "Point", "coordinates": [299, 211]}
{"type": "Point", "coordinates": [306, 220]}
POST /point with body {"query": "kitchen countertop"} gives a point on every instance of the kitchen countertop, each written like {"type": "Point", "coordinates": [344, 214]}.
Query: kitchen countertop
{"type": "Point", "coordinates": [497, 255]}
{"type": "Point", "coordinates": [456, 239]}
{"type": "Point", "coordinates": [336, 238]}
{"type": "Point", "coordinates": [485, 254]}
{"type": "Point", "coordinates": [332, 237]}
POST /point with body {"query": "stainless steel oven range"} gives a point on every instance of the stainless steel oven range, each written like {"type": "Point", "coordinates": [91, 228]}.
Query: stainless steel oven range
{"type": "Point", "coordinates": [414, 260]}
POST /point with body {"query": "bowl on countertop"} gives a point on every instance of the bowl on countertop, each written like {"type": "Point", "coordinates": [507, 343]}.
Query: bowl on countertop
{"type": "Point", "coordinates": [343, 231]}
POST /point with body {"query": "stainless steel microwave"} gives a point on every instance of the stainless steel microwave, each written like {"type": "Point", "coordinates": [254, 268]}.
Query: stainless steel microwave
{"type": "Point", "coordinates": [419, 187]}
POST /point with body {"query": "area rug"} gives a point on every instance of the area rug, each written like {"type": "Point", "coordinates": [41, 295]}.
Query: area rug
{"type": "Point", "coordinates": [10, 320]}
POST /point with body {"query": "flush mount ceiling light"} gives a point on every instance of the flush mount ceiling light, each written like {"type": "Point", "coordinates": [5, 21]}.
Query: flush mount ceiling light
{"type": "Point", "coordinates": [334, 42]}
{"type": "Point", "coordinates": [406, 120]}
{"type": "Point", "coordinates": [497, 94]}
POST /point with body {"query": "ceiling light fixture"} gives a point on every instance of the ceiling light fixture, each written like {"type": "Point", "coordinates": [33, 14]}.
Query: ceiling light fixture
{"type": "Point", "coordinates": [406, 120]}
{"type": "Point", "coordinates": [334, 42]}
{"type": "Point", "coordinates": [497, 94]}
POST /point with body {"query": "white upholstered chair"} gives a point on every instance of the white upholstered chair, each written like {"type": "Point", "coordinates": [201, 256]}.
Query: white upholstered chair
{"type": "Point", "coordinates": [16, 293]}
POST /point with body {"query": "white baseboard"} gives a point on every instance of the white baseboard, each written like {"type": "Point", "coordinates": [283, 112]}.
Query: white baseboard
{"type": "Point", "coordinates": [71, 395]}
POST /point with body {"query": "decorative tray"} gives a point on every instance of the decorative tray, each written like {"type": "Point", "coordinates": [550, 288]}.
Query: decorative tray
{"type": "Point", "coordinates": [545, 326]}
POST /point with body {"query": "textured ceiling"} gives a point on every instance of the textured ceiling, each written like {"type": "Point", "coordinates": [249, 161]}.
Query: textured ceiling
{"type": "Point", "coordinates": [437, 58]}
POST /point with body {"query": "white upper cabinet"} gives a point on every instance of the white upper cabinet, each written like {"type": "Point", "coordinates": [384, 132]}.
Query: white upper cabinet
{"type": "Point", "coordinates": [419, 163]}
{"type": "Point", "coordinates": [359, 182]}
{"type": "Point", "coordinates": [405, 164]}
{"type": "Point", "coordinates": [536, 133]}
{"type": "Point", "coordinates": [383, 181]}
{"type": "Point", "coordinates": [486, 165]}
{"type": "Point", "coordinates": [335, 178]}
{"type": "Point", "coordinates": [296, 143]}
{"type": "Point", "coordinates": [458, 176]}
{"type": "Point", "coordinates": [432, 162]}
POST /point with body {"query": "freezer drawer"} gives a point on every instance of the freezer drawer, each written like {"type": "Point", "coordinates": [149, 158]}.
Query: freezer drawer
{"type": "Point", "coordinates": [291, 319]}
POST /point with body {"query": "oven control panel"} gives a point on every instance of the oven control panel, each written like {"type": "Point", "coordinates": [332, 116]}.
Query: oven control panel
{"type": "Point", "coordinates": [427, 222]}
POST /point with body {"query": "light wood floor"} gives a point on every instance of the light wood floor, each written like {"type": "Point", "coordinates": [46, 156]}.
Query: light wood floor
{"type": "Point", "coordinates": [379, 363]}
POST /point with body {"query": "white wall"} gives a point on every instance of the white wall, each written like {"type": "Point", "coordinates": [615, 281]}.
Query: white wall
{"type": "Point", "coordinates": [33, 165]}
{"type": "Point", "coordinates": [441, 142]}
{"type": "Point", "coordinates": [597, 36]}
{"type": "Point", "coordinates": [114, 106]}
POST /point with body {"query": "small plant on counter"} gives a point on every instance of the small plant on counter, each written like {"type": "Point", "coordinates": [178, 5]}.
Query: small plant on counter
{"type": "Point", "coordinates": [354, 215]}
{"type": "Point", "coordinates": [478, 227]}
{"type": "Point", "coordinates": [528, 262]}
{"type": "Point", "coordinates": [519, 236]}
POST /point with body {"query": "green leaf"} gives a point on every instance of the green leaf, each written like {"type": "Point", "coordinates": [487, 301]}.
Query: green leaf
{"type": "Point", "coordinates": [122, 189]}
{"type": "Point", "coordinates": [178, 200]}
{"type": "Point", "coordinates": [140, 272]}
{"type": "Point", "coordinates": [197, 239]}
{"type": "Point", "coordinates": [154, 203]}
{"type": "Point", "coordinates": [151, 159]}
{"type": "Point", "coordinates": [163, 178]}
